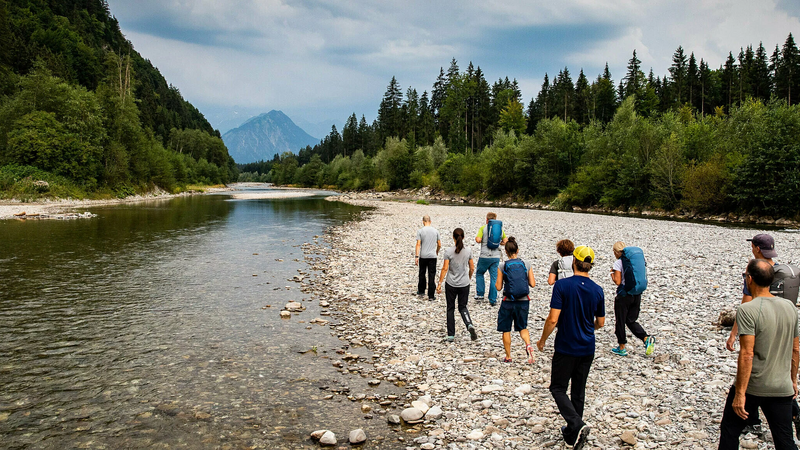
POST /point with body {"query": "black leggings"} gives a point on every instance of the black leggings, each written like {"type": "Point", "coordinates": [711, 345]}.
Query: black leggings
{"type": "Point", "coordinates": [626, 313]}
{"type": "Point", "coordinates": [451, 293]}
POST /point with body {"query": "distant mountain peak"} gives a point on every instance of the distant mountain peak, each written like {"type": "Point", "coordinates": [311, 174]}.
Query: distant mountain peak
{"type": "Point", "coordinates": [265, 135]}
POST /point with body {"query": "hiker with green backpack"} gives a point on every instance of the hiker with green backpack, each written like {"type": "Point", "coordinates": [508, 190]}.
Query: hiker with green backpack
{"type": "Point", "coordinates": [629, 273]}
{"type": "Point", "coordinates": [491, 236]}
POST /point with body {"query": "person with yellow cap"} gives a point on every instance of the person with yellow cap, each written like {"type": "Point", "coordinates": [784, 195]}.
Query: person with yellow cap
{"type": "Point", "coordinates": [578, 308]}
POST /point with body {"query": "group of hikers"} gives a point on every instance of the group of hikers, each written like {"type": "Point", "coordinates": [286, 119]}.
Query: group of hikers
{"type": "Point", "coordinates": [766, 324]}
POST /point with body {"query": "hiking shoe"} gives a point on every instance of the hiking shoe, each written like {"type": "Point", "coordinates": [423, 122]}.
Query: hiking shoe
{"type": "Point", "coordinates": [649, 345]}
{"type": "Point", "coordinates": [478, 298]}
{"type": "Point", "coordinates": [450, 339]}
{"type": "Point", "coordinates": [529, 351]}
{"type": "Point", "coordinates": [619, 351]}
{"type": "Point", "coordinates": [431, 298]}
{"type": "Point", "coordinates": [492, 303]}
{"type": "Point", "coordinates": [473, 333]}
{"type": "Point", "coordinates": [583, 437]}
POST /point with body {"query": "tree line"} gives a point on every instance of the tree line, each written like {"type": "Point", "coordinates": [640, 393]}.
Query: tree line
{"type": "Point", "coordinates": [79, 105]}
{"type": "Point", "coordinates": [701, 139]}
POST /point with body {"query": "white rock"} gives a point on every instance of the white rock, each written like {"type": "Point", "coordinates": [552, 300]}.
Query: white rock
{"type": "Point", "coordinates": [328, 438]}
{"type": "Point", "coordinates": [357, 436]}
{"type": "Point", "coordinates": [491, 388]}
{"type": "Point", "coordinates": [475, 435]}
{"type": "Point", "coordinates": [420, 406]}
{"type": "Point", "coordinates": [523, 389]}
{"type": "Point", "coordinates": [434, 413]}
{"type": "Point", "coordinates": [411, 415]}
{"type": "Point", "coordinates": [318, 434]}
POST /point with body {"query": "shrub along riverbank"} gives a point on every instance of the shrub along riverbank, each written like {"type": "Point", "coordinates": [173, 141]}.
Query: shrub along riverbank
{"type": "Point", "coordinates": [747, 163]}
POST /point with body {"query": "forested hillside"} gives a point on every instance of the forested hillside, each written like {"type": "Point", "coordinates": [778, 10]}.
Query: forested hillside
{"type": "Point", "coordinates": [698, 139]}
{"type": "Point", "coordinates": [80, 108]}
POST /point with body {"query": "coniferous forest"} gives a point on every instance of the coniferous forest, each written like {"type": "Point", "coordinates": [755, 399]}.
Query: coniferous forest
{"type": "Point", "coordinates": [81, 109]}
{"type": "Point", "coordinates": [696, 139]}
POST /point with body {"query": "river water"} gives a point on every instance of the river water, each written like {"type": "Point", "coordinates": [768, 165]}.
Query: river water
{"type": "Point", "coordinates": [147, 327]}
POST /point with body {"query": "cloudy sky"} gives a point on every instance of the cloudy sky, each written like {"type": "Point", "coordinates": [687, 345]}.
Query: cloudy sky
{"type": "Point", "coordinates": [321, 60]}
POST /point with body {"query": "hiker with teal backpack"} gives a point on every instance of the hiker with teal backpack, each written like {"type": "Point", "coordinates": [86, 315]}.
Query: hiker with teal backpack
{"type": "Point", "coordinates": [629, 273]}
{"type": "Point", "coordinates": [491, 236]}
{"type": "Point", "coordinates": [514, 278]}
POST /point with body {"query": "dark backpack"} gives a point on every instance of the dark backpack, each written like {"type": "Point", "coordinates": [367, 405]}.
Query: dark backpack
{"type": "Point", "coordinates": [787, 282]}
{"type": "Point", "coordinates": [494, 234]}
{"type": "Point", "coordinates": [634, 269]}
{"type": "Point", "coordinates": [515, 276]}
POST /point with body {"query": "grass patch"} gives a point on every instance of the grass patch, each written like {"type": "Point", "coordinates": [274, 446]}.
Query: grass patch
{"type": "Point", "coordinates": [423, 202]}
{"type": "Point", "coordinates": [28, 184]}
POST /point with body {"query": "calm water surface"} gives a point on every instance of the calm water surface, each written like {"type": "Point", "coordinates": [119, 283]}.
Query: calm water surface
{"type": "Point", "coordinates": [144, 327]}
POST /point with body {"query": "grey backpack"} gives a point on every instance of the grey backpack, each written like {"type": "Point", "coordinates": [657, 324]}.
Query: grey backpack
{"type": "Point", "coordinates": [564, 267]}
{"type": "Point", "coordinates": [787, 282]}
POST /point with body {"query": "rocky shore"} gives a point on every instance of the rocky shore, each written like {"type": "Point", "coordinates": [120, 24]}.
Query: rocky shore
{"type": "Point", "coordinates": [460, 395]}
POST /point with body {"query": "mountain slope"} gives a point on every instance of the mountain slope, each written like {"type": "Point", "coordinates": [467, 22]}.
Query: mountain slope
{"type": "Point", "coordinates": [264, 136]}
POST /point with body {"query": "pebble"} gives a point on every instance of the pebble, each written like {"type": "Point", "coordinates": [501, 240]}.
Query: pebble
{"type": "Point", "coordinates": [411, 415]}
{"type": "Point", "coordinates": [628, 437]}
{"type": "Point", "coordinates": [357, 436]}
{"type": "Point", "coordinates": [475, 435]}
{"type": "Point", "coordinates": [328, 438]}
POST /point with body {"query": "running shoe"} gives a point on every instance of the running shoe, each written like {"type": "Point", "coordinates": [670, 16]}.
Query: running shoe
{"type": "Point", "coordinates": [450, 339]}
{"type": "Point", "coordinates": [473, 333]}
{"type": "Point", "coordinates": [649, 345]}
{"type": "Point", "coordinates": [619, 351]}
{"type": "Point", "coordinates": [583, 438]}
{"type": "Point", "coordinates": [492, 303]}
{"type": "Point", "coordinates": [478, 298]}
{"type": "Point", "coordinates": [506, 360]}
{"type": "Point", "coordinates": [529, 351]}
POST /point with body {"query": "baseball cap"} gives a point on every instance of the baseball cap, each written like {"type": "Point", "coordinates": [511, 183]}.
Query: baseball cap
{"type": "Point", "coordinates": [766, 244]}
{"type": "Point", "coordinates": [584, 254]}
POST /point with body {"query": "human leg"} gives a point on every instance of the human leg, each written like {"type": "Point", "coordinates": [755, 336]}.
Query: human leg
{"type": "Point", "coordinates": [732, 425]}
{"type": "Point", "coordinates": [562, 368]}
{"type": "Point", "coordinates": [494, 263]}
{"type": "Point", "coordinates": [450, 294]}
{"type": "Point", "coordinates": [507, 344]}
{"type": "Point", "coordinates": [580, 374]}
{"type": "Point", "coordinates": [505, 320]}
{"type": "Point", "coordinates": [480, 280]}
{"type": "Point", "coordinates": [422, 272]}
{"type": "Point", "coordinates": [620, 312]}
{"type": "Point", "coordinates": [778, 411]}
{"type": "Point", "coordinates": [463, 298]}
{"type": "Point", "coordinates": [634, 305]}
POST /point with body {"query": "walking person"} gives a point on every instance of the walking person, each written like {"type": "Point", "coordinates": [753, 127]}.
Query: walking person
{"type": "Point", "coordinates": [458, 266]}
{"type": "Point", "coordinates": [428, 245]}
{"type": "Point", "coordinates": [562, 267]}
{"type": "Point", "coordinates": [628, 301]}
{"type": "Point", "coordinates": [514, 278]}
{"type": "Point", "coordinates": [488, 260]}
{"type": "Point", "coordinates": [577, 307]}
{"type": "Point", "coordinates": [785, 284]}
{"type": "Point", "coordinates": [766, 375]}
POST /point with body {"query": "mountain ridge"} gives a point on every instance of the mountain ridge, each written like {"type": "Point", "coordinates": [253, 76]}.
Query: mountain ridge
{"type": "Point", "coordinates": [265, 135]}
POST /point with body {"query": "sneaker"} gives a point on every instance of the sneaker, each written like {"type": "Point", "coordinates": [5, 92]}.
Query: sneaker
{"type": "Point", "coordinates": [492, 302]}
{"type": "Point", "coordinates": [619, 351]}
{"type": "Point", "coordinates": [529, 351]}
{"type": "Point", "coordinates": [478, 298]}
{"type": "Point", "coordinates": [649, 345]}
{"type": "Point", "coordinates": [507, 360]}
{"type": "Point", "coordinates": [431, 298]}
{"type": "Point", "coordinates": [473, 333]}
{"type": "Point", "coordinates": [583, 437]}
{"type": "Point", "coordinates": [450, 339]}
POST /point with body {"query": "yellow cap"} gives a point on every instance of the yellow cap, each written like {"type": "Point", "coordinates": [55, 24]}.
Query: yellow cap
{"type": "Point", "coordinates": [584, 254]}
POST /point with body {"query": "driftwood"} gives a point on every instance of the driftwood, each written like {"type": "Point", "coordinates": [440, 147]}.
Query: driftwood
{"type": "Point", "coordinates": [727, 317]}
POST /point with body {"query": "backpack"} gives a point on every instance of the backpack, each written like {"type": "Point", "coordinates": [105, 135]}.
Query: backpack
{"type": "Point", "coordinates": [634, 269]}
{"type": "Point", "coordinates": [564, 268]}
{"type": "Point", "coordinates": [515, 276]}
{"type": "Point", "coordinates": [787, 282]}
{"type": "Point", "coordinates": [494, 234]}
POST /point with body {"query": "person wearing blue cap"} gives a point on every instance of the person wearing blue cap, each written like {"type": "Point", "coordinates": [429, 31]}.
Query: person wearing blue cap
{"type": "Point", "coordinates": [578, 308]}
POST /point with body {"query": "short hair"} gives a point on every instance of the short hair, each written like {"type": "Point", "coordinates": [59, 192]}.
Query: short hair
{"type": "Point", "coordinates": [426, 219]}
{"type": "Point", "coordinates": [565, 247]}
{"type": "Point", "coordinates": [761, 271]}
{"type": "Point", "coordinates": [619, 246]}
{"type": "Point", "coordinates": [582, 266]}
{"type": "Point", "coordinates": [491, 216]}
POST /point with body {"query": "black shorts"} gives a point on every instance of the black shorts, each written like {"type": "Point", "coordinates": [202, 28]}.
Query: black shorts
{"type": "Point", "coordinates": [515, 312]}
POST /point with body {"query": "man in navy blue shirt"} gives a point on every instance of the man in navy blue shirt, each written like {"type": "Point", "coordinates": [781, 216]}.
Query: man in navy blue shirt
{"type": "Point", "coordinates": [578, 308]}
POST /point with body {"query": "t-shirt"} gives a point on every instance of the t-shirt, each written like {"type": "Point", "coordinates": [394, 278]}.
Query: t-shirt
{"type": "Point", "coordinates": [567, 263]}
{"type": "Point", "coordinates": [458, 272]}
{"type": "Point", "coordinates": [580, 300]}
{"type": "Point", "coordinates": [428, 237]}
{"type": "Point", "coordinates": [774, 323]}
{"type": "Point", "coordinates": [486, 252]}
{"type": "Point", "coordinates": [619, 268]}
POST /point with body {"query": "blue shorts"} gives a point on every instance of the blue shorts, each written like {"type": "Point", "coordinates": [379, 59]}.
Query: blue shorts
{"type": "Point", "coordinates": [515, 312]}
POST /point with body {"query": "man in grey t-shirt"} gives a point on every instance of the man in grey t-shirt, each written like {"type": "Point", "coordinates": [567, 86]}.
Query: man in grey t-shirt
{"type": "Point", "coordinates": [768, 360]}
{"type": "Point", "coordinates": [428, 245]}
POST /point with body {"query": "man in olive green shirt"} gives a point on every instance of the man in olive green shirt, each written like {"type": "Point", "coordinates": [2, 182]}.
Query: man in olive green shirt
{"type": "Point", "coordinates": [766, 375]}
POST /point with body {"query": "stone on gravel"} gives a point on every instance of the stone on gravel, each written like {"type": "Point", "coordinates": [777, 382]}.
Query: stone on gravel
{"type": "Point", "coordinates": [316, 435]}
{"type": "Point", "coordinates": [628, 437]}
{"type": "Point", "coordinates": [393, 419]}
{"type": "Point", "coordinates": [357, 436]}
{"type": "Point", "coordinates": [411, 415]}
{"type": "Point", "coordinates": [328, 438]}
{"type": "Point", "coordinates": [475, 435]}
{"type": "Point", "coordinates": [434, 413]}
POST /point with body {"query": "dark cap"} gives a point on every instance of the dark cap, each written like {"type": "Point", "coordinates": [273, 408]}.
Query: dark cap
{"type": "Point", "coordinates": [766, 244]}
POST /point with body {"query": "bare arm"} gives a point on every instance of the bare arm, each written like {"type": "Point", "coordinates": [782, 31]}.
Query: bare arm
{"type": "Point", "coordinates": [416, 252]}
{"type": "Point", "coordinates": [438, 246]}
{"type": "Point", "coordinates": [744, 367]}
{"type": "Point", "coordinates": [735, 329]}
{"type": "Point", "coordinates": [445, 266]}
{"type": "Point", "coordinates": [531, 279]}
{"type": "Point", "coordinates": [795, 362]}
{"type": "Point", "coordinates": [551, 279]}
{"type": "Point", "coordinates": [599, 322]}
{"type": "Point", "coordinates": [499, 283]}
{"type": "Point", "coordinates": [478, 239]}
{"type": "Point", "coordinates": [616, 277]}
{"type": "Point", "coordinates": [471, 267]}
{"type": "Point", "coordinates": [549, 326]}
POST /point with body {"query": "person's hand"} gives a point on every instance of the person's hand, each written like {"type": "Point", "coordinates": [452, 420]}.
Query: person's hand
{"type": "Point", "coordinates": [794, 385]}
{"type": "Point", "coordinates": [439, 289]}
{"type": "Point", "coordinates": [738, 405]}
{"type": "Point", "coordinates": [540, 345]}
{"type": "Point", "coordinates": [416, 261]}
{"type": "Point", "coordinates": [729, 344]}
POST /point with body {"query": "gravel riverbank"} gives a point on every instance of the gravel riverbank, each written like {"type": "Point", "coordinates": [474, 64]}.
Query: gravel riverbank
{"type": "Point", "coordinates": [672, 399]}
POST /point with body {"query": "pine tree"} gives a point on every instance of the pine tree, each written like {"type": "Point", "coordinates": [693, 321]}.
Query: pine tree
{"type": "Point", "coordinates": [389, 112]}
{"type": "Point", "coordinates": [632, 80]}
{"type": "Point", "coordinates": [677, 74]}
{"type": "Point", "coordinates": [605, 97]}
{"type": "Point", "coordinates": [692, 79]}
{"type": "Point", "coordinates": [729, 78]}
{"type": "Point", "coordinates": [761, 76]}
{"type": "Point", "coordinates": [787, 74]}
{"type": "Point", "coordinates": [350, 135]}
{"type": "Point", "coordinates": [583, 109]}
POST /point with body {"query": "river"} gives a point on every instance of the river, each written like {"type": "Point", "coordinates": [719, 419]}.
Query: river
{"type": "Point", "coordinates": [148, 326]}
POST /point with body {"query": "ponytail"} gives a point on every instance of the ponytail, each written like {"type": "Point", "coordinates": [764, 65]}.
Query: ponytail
{"type": "Point", "coordinates": [511, 246]}
{"type": "Point", "coordinates": [458, 235]}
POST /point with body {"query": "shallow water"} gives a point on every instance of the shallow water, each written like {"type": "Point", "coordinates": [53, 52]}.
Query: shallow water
{"type": "Point", "coordinates": [146, 327]}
